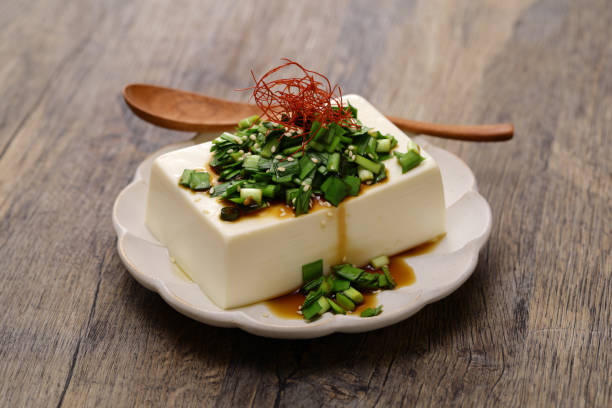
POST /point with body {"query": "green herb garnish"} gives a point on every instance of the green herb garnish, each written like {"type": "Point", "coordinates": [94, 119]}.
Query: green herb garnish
{"type": "Point", "coordinates": [339, 292]}
{"type": "Point", "coordinates": [372, 311]}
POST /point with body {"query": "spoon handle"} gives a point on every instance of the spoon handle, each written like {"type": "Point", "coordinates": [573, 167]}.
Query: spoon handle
{"type": "Point", "coordinates": [476, 133]}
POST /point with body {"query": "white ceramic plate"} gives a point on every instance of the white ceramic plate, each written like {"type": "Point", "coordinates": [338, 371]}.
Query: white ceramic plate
{"type": "Point", "coordinates": [438, 273]}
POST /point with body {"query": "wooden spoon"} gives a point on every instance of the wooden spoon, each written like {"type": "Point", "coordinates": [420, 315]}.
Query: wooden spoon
{"type": "Point", "coordinates": [191, 112]}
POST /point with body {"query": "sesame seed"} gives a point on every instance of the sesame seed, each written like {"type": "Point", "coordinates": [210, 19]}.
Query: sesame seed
{"type": "Point", "coordinates": [293, 201]}
{"type": "Point", "coordinates": [290, 159]}
{"type": "Point", "coordinates": [315, 160]}
{"type": "Point", "coordinates": [197, 199]}
{"type": "Point", "coordinates": [241, 151]}
{"type": "Point", "coordinates": [281, 169]}
{"type": "Point", "coordinates": [230, 150]}
{"type": "Point", "coordinates": [330, 214]}
{"type": "Point", "coordinates": [323, 223]}
{"type": "Point", "coordinates": [344, 259]}
{"type": "Point", "coordinates": [256, 146]}
{"type": "Point", "coordinates": [253, 137]}
{"type": "Point", "coordinates": [351, 147]}
{"type": "Point", "coordinates": [287, 134]}
{"type": "Point", "coordinates": [273, 149]}
{"type": "Point", "coordinates": [212, 190]}
{"type": "Point", "coordinates": [306, 188]}
{"type": "Point", "coordinates": [172, 259]}
{"type": "Point", "coordinates": [300, 131]}
{"type": "Point", "coordinates": [278, 157]}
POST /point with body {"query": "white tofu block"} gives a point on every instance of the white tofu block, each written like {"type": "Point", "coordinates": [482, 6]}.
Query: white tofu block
{"type": "Point", "coordinates": [260, 257]}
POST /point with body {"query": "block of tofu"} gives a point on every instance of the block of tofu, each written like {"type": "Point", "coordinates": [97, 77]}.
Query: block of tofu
{"type": "Point", "coordinates": [260, 257]}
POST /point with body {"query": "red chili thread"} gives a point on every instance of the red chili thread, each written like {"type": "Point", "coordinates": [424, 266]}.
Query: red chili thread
{"type": "Point", "coordinates": [295, 102]}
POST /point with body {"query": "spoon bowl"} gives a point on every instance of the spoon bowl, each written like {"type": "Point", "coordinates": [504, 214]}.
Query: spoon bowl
{"type": "Point", "coordinates": [192, 112]}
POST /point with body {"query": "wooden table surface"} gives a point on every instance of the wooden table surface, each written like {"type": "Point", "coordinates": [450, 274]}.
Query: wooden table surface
{"type": "Point", "coordinates": [532, 326]}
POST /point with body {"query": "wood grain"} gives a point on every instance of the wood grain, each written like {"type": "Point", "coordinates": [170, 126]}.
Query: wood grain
{"type": "Point", "coordinates": [532, 327]}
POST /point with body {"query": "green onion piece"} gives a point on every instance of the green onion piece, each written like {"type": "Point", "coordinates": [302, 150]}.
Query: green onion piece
{"type": "Point", "coordinates": [251, 163]}
{"type": "Point", "coordinates": [408, 160]}
{"type": "Point", "coordinates": [248, 122]}
{"type": "Point", "coordinates": [316, 146]}
{"type": "Point", "coordinates": [290, 195]}
{"type": "Point", "coordinates": [334, 144]}
{"type": "Point", "coordinates": [383, 145]}
{"type": "Point", "coordinates": [324, 305]}
{"type": "Point", "coordinates": [349, 272]}
{"type": "Point", "coordinates": [379, 261]}
{"type": "Point", "coordinates": [334, 307]}
{"type": "Point", "coordinates": [311, 311]}
{"type": "Point", "coordinates": [367, 280]}
{"type": "Point", "coordinates": [340, 285]}
{"type": "Point", "coordinates": [302, 201]}
{"type": "Point", "coordinates": [314, 129]}
{"type": "Point", "coordinates": [354, 184]}
{"type": "Point", "coordinates": [252, 193]}
{"type": "Point", "coordinates": [306, 166]}
{"type": "Point", "coordinates": [372, 311]}
{"type": "Point", "coordinates": [312, 270]}
{"type": "Point", "coordinates": [270, 147]}
{"type": "Point", "coordinates": [335, 190]}
{"type": "Point", "coordinates": [311, 298]}
{"type": "Point", "coordinates": [333, 164]}
{"type": "Point", "coordinates": [270, 190]}
{"type": "Point", "coordinates": [368, 164]}
{"type": "Point", "coordinates": [230, 213]}
{"type": "Point", "coordinates": [185, 177]}
{"type": "Point", "coordinates": [199, 181]}
{"type": "Point", "coordinates": [354, 295]}
{"type": "Point", "coordinates": [387, 273]}
{"type": "Point", "coordinates": [326, 286]}
{"type": "Point", "coordinates": [383, 282]}
{"type": "Point", "coordinates": [290, 150]}
{"type": "Point", "coordinates": [345, 302]}
{"type": "Point", "coordinates": [312, 285]}
{"type": "Point", "coordinates": [365, 175]}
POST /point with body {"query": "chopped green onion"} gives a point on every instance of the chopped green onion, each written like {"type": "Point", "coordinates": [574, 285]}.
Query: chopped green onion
{"type": "Point", "coordinates": [199, 181]}
{"type": "Point", "coordinates": [334, 307]}
{"type": "Point", "coordinates": [354, 295]}
{"type": "Point", "coordinates": [383, 282]}
{"type": "Point", "coordinates": [354, 184]}
{"type": "Point", "coordinates": [333, 163]}
{"type": "Point", "coordinates": [230, 213]}
{"type": "Point", "coordinates": [312, 285]}
{"type": "Point", "coordinates": [185, 177]}
{"type": "Point", "coordinates": [372, 311]}
{"type": "Point", "coordinates": [349, 272]}
{"type": "Point", "coordinates": [311, 311]}
{"type": "Point", "coordinates": [335, 190]}
{"type": "Point", "coordinates": [365, 175]}
{"type": "Point", "coordinates": [270, 190]}
{"type": "Point", "coordinates": [368, 164]}
{"type": "Point", "coordinates": [254, 194]}
{"type": "Point", "coordinates": [312, 270]}
{"type": "Point", "coordinates": [390, 279]}
{"type": "Point", "coordinates": [345, 302]}
{"type": "Point", "coordinates": [270, 147]}
{"type": "Point", "coordinates": [379, 261]}
{"type": "Point", "coordinates": [248, 122]}
{"type": "Point", "coordinates": [324, 305]}
{"type": "Point", "coordinates": [251, 162]}
{"type": "Point", "coordinates": [340, 285]}
{"type": "Point", "coordinates": [409, 160]}
{"type": "Point", "coordinates": [383, 145]}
